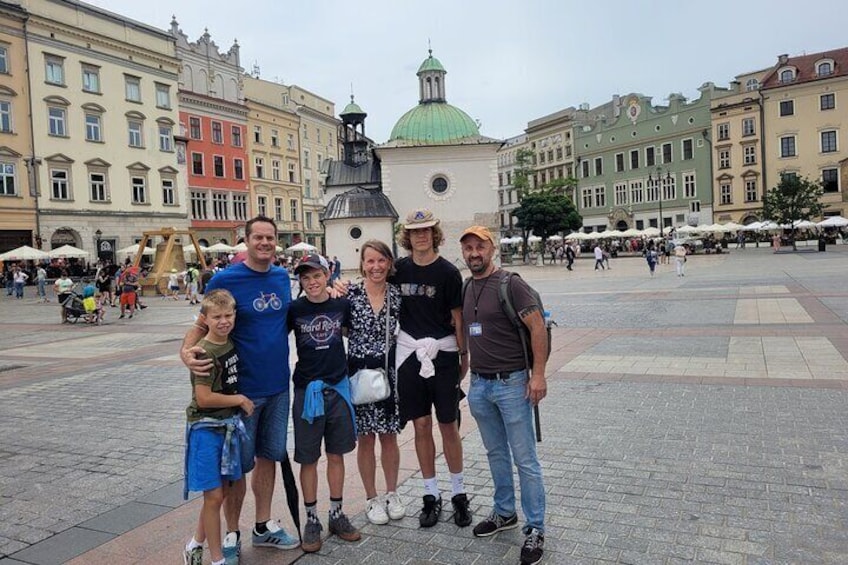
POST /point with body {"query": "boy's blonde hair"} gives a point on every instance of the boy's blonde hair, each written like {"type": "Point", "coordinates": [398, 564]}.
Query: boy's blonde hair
{"type": "Point", "coordinates": [219, 298]}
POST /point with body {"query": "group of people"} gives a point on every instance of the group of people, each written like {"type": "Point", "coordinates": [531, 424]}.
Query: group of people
{"type": "Point", "coordinates": [409, 317]}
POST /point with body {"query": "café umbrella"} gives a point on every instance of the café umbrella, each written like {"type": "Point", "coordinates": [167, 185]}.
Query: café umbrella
{"type": "Point", "coordinates": [24, 253]}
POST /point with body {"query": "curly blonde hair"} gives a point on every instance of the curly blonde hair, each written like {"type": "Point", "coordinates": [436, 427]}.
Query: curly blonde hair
{"type": "Point", "coordinates": [438, 238]}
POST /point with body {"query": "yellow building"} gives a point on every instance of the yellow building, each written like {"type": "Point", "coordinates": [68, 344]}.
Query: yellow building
{"type": "Point", "coordinates": [274, 156]}
{"type": "Point", "coordinates": [737, 163]}
{"type": "Point", "coordinates": [805, 104]}
{"type": "Point", "coordinates": [18, 220]}
{"type": "Point", "coordinates": [104, 111]}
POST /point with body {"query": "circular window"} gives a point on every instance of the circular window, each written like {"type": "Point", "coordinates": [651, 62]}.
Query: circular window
{"type": "Point", "coordinates": [691, 120]}
{"type": "Point", "coordinates": [439, 185]}
{"type": "Point", "coordinates": [657, 127]}
{"type": "Point", "coordinates": [633, 133]}
{"type": "Point", "coordinates": [612, 139]}
{"type": "Point", "coordinates": [355, 232]}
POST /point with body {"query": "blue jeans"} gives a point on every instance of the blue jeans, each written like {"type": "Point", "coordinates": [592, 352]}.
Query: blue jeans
{"type": "Point", "coordinates": [42, 293]}
{"type": "Point", "coordinates": [19, 290]}
{"type": "Point", "coordinates": [266, 430]}
{"type": "Point", "coordinates": [505, 420]}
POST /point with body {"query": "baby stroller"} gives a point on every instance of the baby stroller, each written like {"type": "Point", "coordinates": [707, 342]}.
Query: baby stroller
{"type": "Point", "coordinates": [74, 308]}
{"type": "Point", "coordinates": [83, 306]}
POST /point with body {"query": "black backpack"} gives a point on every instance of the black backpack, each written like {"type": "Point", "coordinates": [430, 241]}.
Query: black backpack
{"type": "Point", "coordinates": [509, 309]}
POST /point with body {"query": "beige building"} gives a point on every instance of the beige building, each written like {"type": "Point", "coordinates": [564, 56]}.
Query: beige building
{"type": "Point", "coordinates": [805, 104]}
{"type": "Point", "coordinates": [549, 137]}
{"type": "Point", "coordinates": [507, 193]}
{"type": "Point", "coordinates": [275, 186]}
{"type": "Point", "coordinates": [103, 117]}
{"type": "Point", "coordinates": [18, 219]}
{"type": "Point", "coordinates": [318, 142]}
{"type": "Point", "coordinates": [738, 150]}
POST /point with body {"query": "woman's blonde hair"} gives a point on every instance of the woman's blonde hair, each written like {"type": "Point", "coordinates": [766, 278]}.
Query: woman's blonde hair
{"type": "Point", "coordinates": [380, 248]}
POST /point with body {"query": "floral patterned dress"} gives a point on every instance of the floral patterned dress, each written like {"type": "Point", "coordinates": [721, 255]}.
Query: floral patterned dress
{"type": "Point", "coordinates": [366, 348]}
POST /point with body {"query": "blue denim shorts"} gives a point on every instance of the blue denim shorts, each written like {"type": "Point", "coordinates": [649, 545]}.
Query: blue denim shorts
{"type": "Point", "coordinates": [266, 429]}
{"type": "Point", "coordinates": [204, 460]}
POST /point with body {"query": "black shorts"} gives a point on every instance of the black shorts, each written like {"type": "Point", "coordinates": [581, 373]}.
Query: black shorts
{"type": "Point", "coordinates": [417, 396]}
{"type": "Point", "coordinates": [335, 427]}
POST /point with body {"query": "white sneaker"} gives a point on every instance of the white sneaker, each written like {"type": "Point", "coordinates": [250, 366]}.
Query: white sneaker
{"type": "Point", "coordinates": [376, 512]}
{"type": "Point", "coordinates": [395, 506]}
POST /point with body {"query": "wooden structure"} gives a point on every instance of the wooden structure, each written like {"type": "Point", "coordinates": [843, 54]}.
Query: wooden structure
{"type": "Point", "coordinates": [169, 255]}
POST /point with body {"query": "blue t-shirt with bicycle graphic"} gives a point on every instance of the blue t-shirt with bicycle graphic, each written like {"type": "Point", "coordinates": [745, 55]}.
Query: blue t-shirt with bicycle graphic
{"type": "Point", "coordinates": [261, 330]}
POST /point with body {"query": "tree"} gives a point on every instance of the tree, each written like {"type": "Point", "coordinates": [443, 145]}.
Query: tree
{"type": "Point", "coordinates": [523, 172]}
{"type": "Point", "coordinates": [546, 212]}
{"type": "Point", "coordinates": [794, 198]}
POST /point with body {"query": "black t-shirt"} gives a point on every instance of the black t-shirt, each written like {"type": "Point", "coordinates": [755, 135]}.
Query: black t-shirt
{"type": "Point", "coordinates": [318, 334]}
{"type": "Point", "coordinates": [429, 294]}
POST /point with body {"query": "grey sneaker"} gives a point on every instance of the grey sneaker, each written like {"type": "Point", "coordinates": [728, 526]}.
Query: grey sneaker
{"type": "Point", "coordinates": [193, 557]}
{"type": "Point", "coordinates": [495, 523]}
{"type": "Point", "coordinates": [311, 537]}
{"type": "Point", "coordinates": [231, 548]}
{"type": "Point", "coordinates": [342, 527]}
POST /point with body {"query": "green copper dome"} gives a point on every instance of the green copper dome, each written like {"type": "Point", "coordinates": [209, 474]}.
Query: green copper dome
{"type": "Point", "coordinates": [352, 108]}
{"type": "Point", "coordinates": [431, 64]}
{"type": "Point", "coordinates": [434, 123]}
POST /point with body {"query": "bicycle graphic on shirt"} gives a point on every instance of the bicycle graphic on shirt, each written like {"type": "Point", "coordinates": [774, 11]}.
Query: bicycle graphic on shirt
{"type": "Point", "coordinates": [267, 301]}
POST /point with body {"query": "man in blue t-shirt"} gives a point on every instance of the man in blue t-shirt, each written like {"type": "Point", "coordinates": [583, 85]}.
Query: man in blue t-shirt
{"type": "Point", "coordinates": [263, 295]}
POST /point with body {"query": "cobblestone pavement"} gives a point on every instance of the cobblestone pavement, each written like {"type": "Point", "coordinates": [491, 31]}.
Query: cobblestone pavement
{"type": "Point", "coordinates": [689, 419]}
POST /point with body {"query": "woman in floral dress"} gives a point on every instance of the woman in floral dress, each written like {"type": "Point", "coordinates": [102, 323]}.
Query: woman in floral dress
{"type": "Point", "coordinates": [366, 349]}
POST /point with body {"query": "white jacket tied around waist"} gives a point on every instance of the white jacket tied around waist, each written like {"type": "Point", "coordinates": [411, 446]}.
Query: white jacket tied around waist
{"type": "Point", "coordinates": [425, 350]}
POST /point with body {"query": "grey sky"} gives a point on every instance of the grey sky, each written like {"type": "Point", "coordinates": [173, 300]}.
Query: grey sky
{"type": "Point", "coordinates": [508, 61]}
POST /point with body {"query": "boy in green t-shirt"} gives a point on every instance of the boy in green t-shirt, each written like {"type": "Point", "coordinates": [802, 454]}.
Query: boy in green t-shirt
{"type": "Point", "coordinates": [214, 426]}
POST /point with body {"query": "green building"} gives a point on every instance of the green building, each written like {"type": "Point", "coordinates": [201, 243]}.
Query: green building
{"type": "Point", "coordinates": [623, 150]}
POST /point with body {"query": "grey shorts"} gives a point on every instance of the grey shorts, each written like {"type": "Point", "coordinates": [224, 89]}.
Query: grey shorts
{"type": "Point", "coordinates": [335, 427]}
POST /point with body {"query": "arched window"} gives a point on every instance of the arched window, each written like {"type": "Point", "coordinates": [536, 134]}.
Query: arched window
{"type": "Point", "coordinates": [752, 84]}
{"type": "Point", "coordinates": [787, 75]}
{"type": "Point", "coordinates": [824, 69]}
{"type": "Point", "coordinates": [429, 88]}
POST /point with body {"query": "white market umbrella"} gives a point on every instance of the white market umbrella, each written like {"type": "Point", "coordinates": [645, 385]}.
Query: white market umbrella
{"type": "Point", "coordinates": [133, 249]}
{"type": "Point", "coordinates": [302, 246]}
{"type": "Point", "coordinates": [534, 239]}
{"type": "Point", "coordinates": [688, 229]}
{"type": "Point", "coordinates": [24, 253]}
{"type": "Point", "coordinates": [768, 226]}
{"type": "Point", "coordinates": [615, 233]}
{"type": "Point", "coordinates": [803, 224]}
{"type": "Point", "coordinates": [732, 226]}
{"type": "Point", "coordinates": [833, 222]}
{"type": "Point", "coordinates": [753, 226]}
{"type": "Point", "coordinates": [506, 241]}
{"type": "Point", "coordinates": [555, 237]}
{"type": "Point", "coordinates": [240, 247]}
{"type": "Point", "coordinates": [632, 232]}
{"type": "Point", "coordinates": [651, 232]}
{"type": "Point", "coordinates": [220, 248]}
{"type": "Point", "coordinates": [190, 250]}
{"type": "Point", "coordinates": [716, 228]}
{"type": "Point", "coordinates": [68, 251]}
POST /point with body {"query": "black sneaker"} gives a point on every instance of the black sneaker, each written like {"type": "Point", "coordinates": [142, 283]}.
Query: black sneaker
{"type": "Point", "coordinates": [461, 514]}
{"type": "Point", "coordinates": [495, 523]}
{"type": "Point", "coordinates": [430, 513]}
{"type": "Point", "coordinates": [533, 548]}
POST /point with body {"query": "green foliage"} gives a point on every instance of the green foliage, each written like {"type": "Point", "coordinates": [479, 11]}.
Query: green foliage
{"type": "Point", "coordinates": [523, 171]}
{"type": "Point", "coordinates": [545, 213]}
{"type": "Point", "coordinates": [794, 198]}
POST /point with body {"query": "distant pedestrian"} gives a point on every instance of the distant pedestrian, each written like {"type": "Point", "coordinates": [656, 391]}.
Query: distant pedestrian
{"type": "Point", "coordinates": [740, 240]}
{"type": "Point", "coordinates": [651, 256]}
{"type": "Point", "coordinates": [104, 285]}
{"type": "Point", "coordinates": [174, 285]}
{"type": "Point", "coordinates": [62, 287]}
{"type": "Point", "coordinates": [41, 281]}
{"type": "Point", "coordinates": [680, 253]}
{"type": "Point", "coordinates": [569, 256]}
{"type": "Point", "coordinates": [20, 278]}
{"type": "Point", "coordinates": [599, 257]}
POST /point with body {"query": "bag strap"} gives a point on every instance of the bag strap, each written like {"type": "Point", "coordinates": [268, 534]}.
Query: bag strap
{"type": "Point", "coordinates": [388, 318]}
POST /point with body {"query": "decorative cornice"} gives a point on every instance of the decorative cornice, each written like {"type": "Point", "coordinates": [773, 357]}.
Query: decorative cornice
{"type": "Point", "coordinates": [188, 99]}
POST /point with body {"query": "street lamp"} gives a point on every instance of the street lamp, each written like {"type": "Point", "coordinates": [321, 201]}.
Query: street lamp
{"type": "Point", "coordinates": [97, 235]}
{"type": "Point", "coordinates": [657, 181]}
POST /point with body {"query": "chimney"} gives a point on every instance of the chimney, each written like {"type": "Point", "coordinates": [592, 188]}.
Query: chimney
{"type": "Point", "coordinates": [783, 59]}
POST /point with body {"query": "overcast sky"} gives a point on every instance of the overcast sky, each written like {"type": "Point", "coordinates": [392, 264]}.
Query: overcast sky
{"type": "Point", "coordinates": [508, 61]}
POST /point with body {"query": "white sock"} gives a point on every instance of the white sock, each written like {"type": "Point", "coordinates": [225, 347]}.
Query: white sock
{"type": "Point", "coordinates": [221, 562]}
{"type": "Point", "coordinates": [431, 486]}
{"type": "Point", "coordinates": [457, 483]}
{"type": "Point", "coordinates": [192, 544]}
